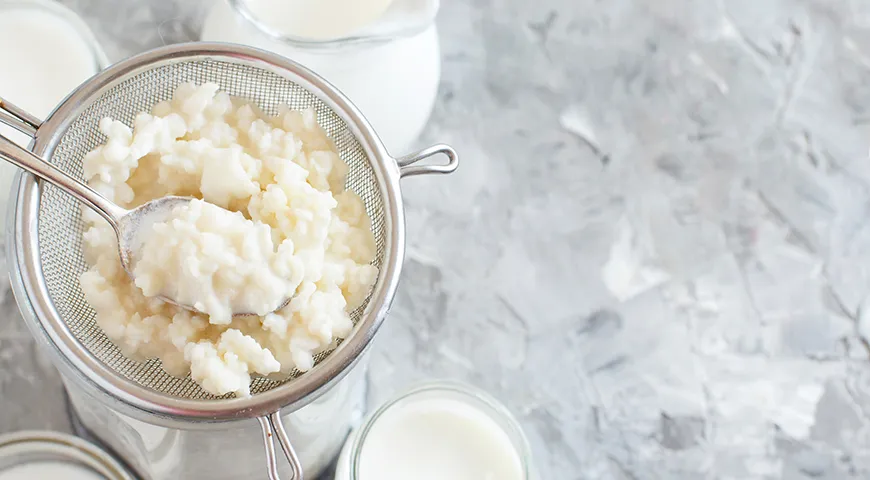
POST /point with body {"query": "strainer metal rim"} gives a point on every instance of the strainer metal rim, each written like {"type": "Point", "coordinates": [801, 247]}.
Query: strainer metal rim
{"type": "Point", "coordinates": [33, 293]}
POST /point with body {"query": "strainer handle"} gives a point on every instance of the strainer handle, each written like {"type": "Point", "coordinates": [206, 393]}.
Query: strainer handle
{"type": "Point", "coordinates": [18, 118]}
{"type": "Point", "coordinates": [408, 169]}
{"type": "Point", "coordinates": [273, 427]}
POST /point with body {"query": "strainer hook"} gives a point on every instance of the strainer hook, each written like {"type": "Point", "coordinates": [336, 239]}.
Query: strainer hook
{"type": "Point", "coordinates": [273, 427]}
{"type": "Point", "coordinates": [406, 163]}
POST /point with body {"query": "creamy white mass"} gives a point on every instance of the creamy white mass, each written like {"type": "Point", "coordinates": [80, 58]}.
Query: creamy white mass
{"type": "Point", "coordinates": [296, 229]}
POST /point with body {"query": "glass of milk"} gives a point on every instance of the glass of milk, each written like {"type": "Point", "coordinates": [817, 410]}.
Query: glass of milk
{"type": "Point", "coordinates": [383, 54]}
{"type": "Point", "coordinates": [46, 51]}
{"type": "Point", "coordinates": [437, 431]}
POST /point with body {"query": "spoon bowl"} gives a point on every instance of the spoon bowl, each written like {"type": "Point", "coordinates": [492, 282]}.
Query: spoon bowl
{"type": "Point", "coordinates": [130, 226]}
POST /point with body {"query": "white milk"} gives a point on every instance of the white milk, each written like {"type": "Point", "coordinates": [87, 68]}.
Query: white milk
{"type": "Point", "coordinates": [393, 83]}
{"type": "Point", "coordinates": [318, 19]}
{"type": "Point", "coordinates": [436, 439]}
{"type": "Point", "coordinates": [49, 471]}
{"type": "Point", "coordinates": [43, 57]}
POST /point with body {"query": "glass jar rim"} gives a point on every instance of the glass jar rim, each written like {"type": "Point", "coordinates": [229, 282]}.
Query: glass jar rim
{"type": "Point", "coordinates": [491, 407]}
{"type": "Point", "coordinates": [241, 8]}
{"type": "Point", "coordinates": [33, 447]}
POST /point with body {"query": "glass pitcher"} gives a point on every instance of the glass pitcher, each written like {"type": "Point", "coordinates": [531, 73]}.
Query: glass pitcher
{"type": "Point", "coordinates": [383, 54]}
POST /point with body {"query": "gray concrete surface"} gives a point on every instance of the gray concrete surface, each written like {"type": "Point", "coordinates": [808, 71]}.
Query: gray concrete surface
{"type": "Point", "coordinates": [656, 251]}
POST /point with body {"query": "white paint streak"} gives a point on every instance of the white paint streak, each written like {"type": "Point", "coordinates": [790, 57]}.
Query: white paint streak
{"type": "Point", "coordinates": [864, 319]}
{"type": "Point", "coordinates": [455, 357]}
{"type": "Point", "coordinates": [853, 48]}
{"type": "Point", "coordinates": [577, 123]}
{"type": "Point", "coordinates": [625, 274]}
{"type": "Point", "coordinates": [709, 73]}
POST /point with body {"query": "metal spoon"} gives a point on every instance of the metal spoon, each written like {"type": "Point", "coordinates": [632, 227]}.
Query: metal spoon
{"type": "Point", "coordinates": [128, 224]}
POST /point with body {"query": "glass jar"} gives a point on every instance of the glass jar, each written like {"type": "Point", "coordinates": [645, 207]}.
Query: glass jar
{"type": "Point", "coordinates": [46, 51]}
{"type": "Point", "coordinates": [29, 455]}
{"type": "Point", "coordinates": [390, 69]}
{"type": "Point", "coordinates": [471, 402]}
{"type": "Point", "coordinates": [160, 450]}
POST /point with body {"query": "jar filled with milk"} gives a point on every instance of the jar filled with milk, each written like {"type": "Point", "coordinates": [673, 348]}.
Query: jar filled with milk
{"type": "Point", "coordinates": [46, 51]}
{"type": "Point", "coordinates": [383, 54]}
{"type": "Point", "coordinates": [436, 431]}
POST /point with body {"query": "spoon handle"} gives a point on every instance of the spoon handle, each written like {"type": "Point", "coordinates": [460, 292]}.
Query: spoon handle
{"type": "Point", "coordinates": [23, 158]}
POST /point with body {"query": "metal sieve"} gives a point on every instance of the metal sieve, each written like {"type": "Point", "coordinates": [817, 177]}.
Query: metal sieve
{"type": "Point", "coordinates": [46, 227]}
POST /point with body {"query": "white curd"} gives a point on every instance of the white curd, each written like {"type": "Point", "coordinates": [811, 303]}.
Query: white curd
{"type": "Point", "coordinates": [217, 261]}
{"type": "Point", "coordinates": [296, 229]}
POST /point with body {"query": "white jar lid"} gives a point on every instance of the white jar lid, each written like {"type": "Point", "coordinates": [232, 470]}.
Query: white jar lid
{"type": "Point", "coordinates": [42, 454]}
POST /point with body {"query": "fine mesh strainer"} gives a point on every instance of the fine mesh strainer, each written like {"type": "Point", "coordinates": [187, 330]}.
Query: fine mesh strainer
{"type": "Point", "coordinates": [45, 229]}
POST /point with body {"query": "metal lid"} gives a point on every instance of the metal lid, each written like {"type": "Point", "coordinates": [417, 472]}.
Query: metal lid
{"type": "Point", "coordinates": [30, 454]}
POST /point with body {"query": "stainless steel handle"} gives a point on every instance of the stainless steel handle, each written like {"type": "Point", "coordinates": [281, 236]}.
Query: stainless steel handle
{"type": "Point", "coordinates": [273, 427]}
{"type": "Point", "coordinates": [408, 169]}
{"type": "Point", "coordinates": [23, 158]}
{"type": "Point", "coordinates": [18, 119]}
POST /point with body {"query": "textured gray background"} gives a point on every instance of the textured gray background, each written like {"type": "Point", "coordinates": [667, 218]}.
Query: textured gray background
{"type": "Point", "coordinates": [655, 252]}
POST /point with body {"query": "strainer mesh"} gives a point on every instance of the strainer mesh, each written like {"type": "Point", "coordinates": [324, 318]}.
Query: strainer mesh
{"type": "Point", "coordinates": [61, 225]}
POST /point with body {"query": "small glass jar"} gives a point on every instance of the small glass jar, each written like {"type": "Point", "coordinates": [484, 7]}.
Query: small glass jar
{"type": "Point", "coordinates": [30, 455]}
{"type": "Point", "coordinates": [473, 402]}
{"type": "Point", "coordinates": [390, 70]}
{"type": "Point", "coordinates": [53, 53]}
